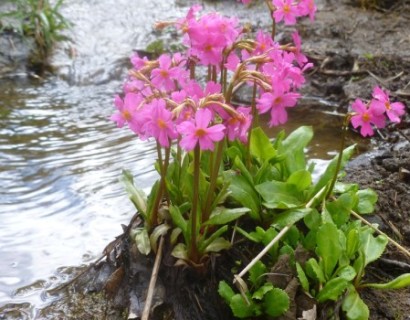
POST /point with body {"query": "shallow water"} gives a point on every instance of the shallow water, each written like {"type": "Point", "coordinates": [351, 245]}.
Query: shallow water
{"type": "Point", "coordinates": [60, 158]}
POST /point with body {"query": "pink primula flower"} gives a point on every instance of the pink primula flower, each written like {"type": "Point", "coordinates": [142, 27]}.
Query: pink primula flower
{"type": "Point", "coordinates": [307, 8]}
{"type": "Point", "coordinates": [166, 74]}
{"type": "Point", "coordinates": [276, 102]}
{"type": "Point", "coordinates": [198, 131]}
{"type": "Point", "coordinates": [237, 126]}
{"type": "Point", "coordinates": [393, 110]}
{"type": "Point", "coordinates": [160, 125]}
{"type": "Point", "coordinates": [366, 116]}
{"type": "Point", "coordinates": [299, 56]}
{"type": "Point", "coordinates": [130, 112]}
{"type": "Point", "coordinates": [285, 10]}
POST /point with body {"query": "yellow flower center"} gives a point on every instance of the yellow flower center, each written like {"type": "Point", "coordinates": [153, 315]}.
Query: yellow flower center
{"type": "Point", "coordinates": [127, 115]}
{"type": "Point", "coordinates": [387, 105]}
{"type": "Point", "coordinates": [200, 133]}
{"type": "Point", "coordinates": [161, 124]}
{"type": "Point", "coordinates": [366, 117]}
{"type": "Point", "coordinates": [164, 73]}
{"type": "Point", "coordinates": [286, 8]}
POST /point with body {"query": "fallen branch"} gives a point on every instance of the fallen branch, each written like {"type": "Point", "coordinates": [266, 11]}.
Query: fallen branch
{"type": "Point", "coordinates": [152, 282]}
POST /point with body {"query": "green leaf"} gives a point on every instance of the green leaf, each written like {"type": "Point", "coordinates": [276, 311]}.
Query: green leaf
{"type": "Point", "coordinates": [302, 179]}
{"type": "Point", "coordinates": [205, 243]}
{"type": "Point", "coordinates": [372, 247]}
{"type": "Point", "coordinates": [259, 294]}
{"type": "Point", "coordinates": [174, 235]}
{"type": "Point", "coordinates": [224, 216]}
{"type": "Point", "coordinates": [328, 247]}
{"type": "Point", "coordinates": [298, 139]}
{"type": "Point", "coordinates": [279, 195]}
{"type": "Point", "coordinates": [225, 291]}
{"type": "Point", "coordinates": [293, 147]}
{"type": "Point", "coordinates": [314, 271]}
{"type": "Point", "coordinates": [367, 200]}
{"type": "Point", "coordinates": [159, 230]}
{"type": "Point", "coordinates": [178, 219]}
{"type": "Point", "coordinates": [275, 302]}
{"type": "Point", "coordinates": [260, 145]}
{"type": "Point", "coordinates": [217, 245]}
{"type": "Point", "coordinates": [256, 273]}
{"type": "Point", "coordinates": [312, 220]}
{"type": "Point", "coordinates": [180, 252]}
{"type": "Point", "coordinates": [341, 207]}
{"type": "Point", "coordinates": [352, 243]}
{"type": "Point", "coordinates": [327, 176]}
{"type": "Point", "coordinates": [250, 236]}
{"type": "Point", "coordinates": [241, 308]}
{"type": "Point", "coordinates": [291, 216]}
{"type": "Point", "coordinates": [302, 277]}
{"type": "Point", "coordinates": [244, 193]}
{"type": "Point", "coordinates": [348, 273]}
{"type": "Point", "coordinates": [142, 240]}
{"type": "Point", "coordinates": [137, 196]}
{"type": "Point", "coordinates": [397, 283]}
{"type": "Point", "coordinates": [332, 290]}
{"type": "Point", "coordinates": [354, 306]}
{"type": "Point", "coordinates": [241, 168]}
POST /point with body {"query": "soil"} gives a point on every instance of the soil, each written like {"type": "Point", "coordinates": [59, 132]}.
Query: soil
{"type": "Point", "coordinates": [353, 48]}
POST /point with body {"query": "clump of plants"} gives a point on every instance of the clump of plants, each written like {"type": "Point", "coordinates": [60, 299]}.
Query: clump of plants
{"type": "Point", "coordinates": [223, 181]}
{"type": "Point", "coordinates": [37, 19]}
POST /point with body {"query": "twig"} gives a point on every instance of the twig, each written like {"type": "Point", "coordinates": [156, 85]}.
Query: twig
{"type": "Point", "coordinates": [385, 81]}
{"type": "Point", "coordinates": [263, 252]}
{"type": "Point", "coordinates": [403, 135]}
{"type": "Point", "coordinates": [152, 282]}
{"type": "Point", "coordinates": [330, 72]}
{"type": "Point", "coordinates": [397, 245]}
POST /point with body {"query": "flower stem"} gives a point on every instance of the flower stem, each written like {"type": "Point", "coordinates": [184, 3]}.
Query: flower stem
{"type": "Point", "coordinates": [153, 217]}
{"type": "Point", "coordinates": [193, 246]}
{"type": "Point", "coordinates": [253, 125]}
{"type": "Point", "coordinates": [340, 157]}
{"type": "Point", "coordinates": [213, 180]}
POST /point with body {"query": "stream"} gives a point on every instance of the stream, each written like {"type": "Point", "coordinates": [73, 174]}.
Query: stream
{"type": "Point", "coordinates": [60, 156]}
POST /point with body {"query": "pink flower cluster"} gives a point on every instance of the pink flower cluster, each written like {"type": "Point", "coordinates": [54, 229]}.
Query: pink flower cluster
{"type": "Point", "coordinates": [289, 10]}
{"type": "Point", "coordinates": [163, 102]}
{"type": "Point", "coordinates": [375, 112]}
{"type": "Point", "coordinates": [207, 36]}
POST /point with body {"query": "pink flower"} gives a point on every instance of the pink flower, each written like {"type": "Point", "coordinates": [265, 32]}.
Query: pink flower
{"type": "Point", "coordinates": [365, 117]}
{"type": "Point", "coordinates": [393, 110]}
{"type": "Point", "coordinates": [160, 125]}
{"type": "Point", "coordinates": [276, 102]}
{"type": "Point", "coordinates": [285, 10]}
{"type": "Point", "coordinates": [308, 8]}
{"type": "Point", "coordinates": [197, 131]}
{"type": "Point", "coordinates": [166, 75]}
{"type": "Point", "coordinates": [237, 126]}
{"type": "Point", "coordinates": [138, 62]}
{"type": "Point", "coordinates": [299, 56]}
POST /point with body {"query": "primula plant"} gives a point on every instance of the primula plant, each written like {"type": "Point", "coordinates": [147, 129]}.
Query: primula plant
{"type": "Point", "coordinates": [224, 181]}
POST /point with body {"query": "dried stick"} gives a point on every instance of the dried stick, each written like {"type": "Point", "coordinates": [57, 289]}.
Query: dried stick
{"type": "Point", "coordinates": [152, 282]}
{"type": "Point", "coordinates": [263, 252]}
